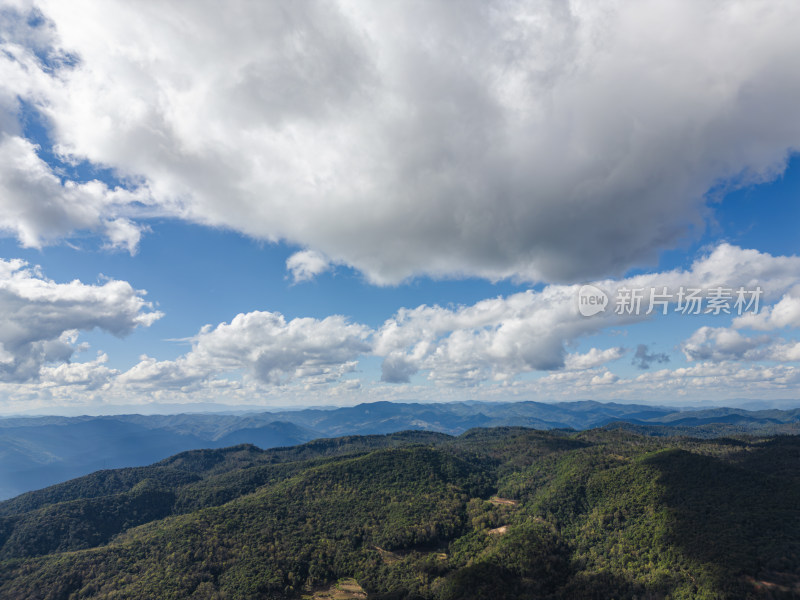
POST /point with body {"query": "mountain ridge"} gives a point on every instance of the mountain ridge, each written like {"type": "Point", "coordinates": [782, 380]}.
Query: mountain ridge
{"type": "Point", "coordinates": [40, 451]}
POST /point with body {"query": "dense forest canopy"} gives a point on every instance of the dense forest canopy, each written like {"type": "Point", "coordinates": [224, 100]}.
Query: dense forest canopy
{"type": "Point", "coordinates": [492, 513]}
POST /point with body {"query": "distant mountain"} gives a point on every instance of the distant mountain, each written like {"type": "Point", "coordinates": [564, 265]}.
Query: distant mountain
{"type": "Point", "coordinates": [34, 455]}
{"type": "Point", "coordinates": [39, 451]}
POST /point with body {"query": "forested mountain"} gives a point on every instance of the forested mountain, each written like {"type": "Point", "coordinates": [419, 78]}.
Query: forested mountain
{"type": "Point", "coordinates": [40, 451]}
{"type": "Point", "coordinates": [491, 513]}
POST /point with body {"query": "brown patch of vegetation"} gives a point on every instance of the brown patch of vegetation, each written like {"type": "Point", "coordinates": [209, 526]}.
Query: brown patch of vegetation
{"type": "Point", "coordinates": [387, 556]}
{"type": "Point", "coordinates": [503, 501]}
{"type": "Point", "coordinates": [344, 589]}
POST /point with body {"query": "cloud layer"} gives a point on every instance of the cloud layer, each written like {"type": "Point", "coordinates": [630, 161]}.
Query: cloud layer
{"type": "Point", "coordinates": [498, 139]}
{"type": "Point", "coordinates": [266, 347]}
{"type": "Point", "coordinates": [500, 338]}
{"type": "Point", "coordinates": [40, 319]}
{"type": "Point", "coordinates": [523, 345]}
{"type": "Point", "coordinates": [37, 207]}
{"type": "Point", "coordinates": [552, 142]}
{"type": "Point", "coordinates": [495, 342]}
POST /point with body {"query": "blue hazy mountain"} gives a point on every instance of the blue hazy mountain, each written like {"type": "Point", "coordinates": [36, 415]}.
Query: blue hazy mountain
{"type": "Point", "coordinates": [34, 455]}
{"type": "Point", "coordinates": [40, 451]}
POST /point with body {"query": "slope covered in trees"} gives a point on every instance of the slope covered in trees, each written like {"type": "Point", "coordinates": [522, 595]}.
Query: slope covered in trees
{"type": "Point", "coordinates": [39, 451]}
{"type": "Point", "coordinates": [492, 513]}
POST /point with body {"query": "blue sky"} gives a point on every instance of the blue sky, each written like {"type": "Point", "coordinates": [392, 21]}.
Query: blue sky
{"type": "Point", "coordinates": [326, 208]}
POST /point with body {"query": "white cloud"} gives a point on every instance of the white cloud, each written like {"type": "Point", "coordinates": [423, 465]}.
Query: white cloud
{"type": "Point", "coordinates": [91, 375]}
{"type": "Point", "coordinates": [575, 380]}
{"type": "Point", "coordinates": [697, 384]}
{"type": "Point", "coordinates": [123, 233]}
{"type": "Point", "coordinates": [266, 347]}
{"type": "Point", "coordinates": [546, 141]}
{"type": "Point", "coordinates": [784, 352]}
{"type": "Point", "coordinates": [166, 374]}
{"type": "Point", "coordinates": [593, 358]}
{"type": "Point", "coordinates": [493, 339]}
{"type": "Point", "coordinates": [606, 378]}
{"type": "Point", "coordinates": [306, 264]}
{"type": "Point", "coordinates": [38, 208]}
{"type": "Point", "coordinates": [726, 266]}
{"type": "Point", "coordinates": [722, 377]}
{"type": "Point", "coordinates": [723, 344]}
{"type": "Point", "coordinates": [500, 338]}
{"type": "Point", "coordinates": [498, 346]}
{"type": "Point", "coordinates": [396, 368]}
{"type": "Point", "coordinates": [40, 319]}
{"type": "Point", "coordinates": [785, 313]}
{"type": "Point", "coordinates": [720, 343]}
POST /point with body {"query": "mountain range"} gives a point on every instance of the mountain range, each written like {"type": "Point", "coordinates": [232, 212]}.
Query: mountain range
{"type": "Point", "coordinates": [39, 451]}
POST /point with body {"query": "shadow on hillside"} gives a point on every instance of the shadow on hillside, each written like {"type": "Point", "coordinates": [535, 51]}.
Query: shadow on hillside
{"type": "Point", "coordinates": [739, 517]}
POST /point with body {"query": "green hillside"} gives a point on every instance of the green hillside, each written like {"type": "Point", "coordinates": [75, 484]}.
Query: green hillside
{"type": "Point", "coordinates": [492, 513]}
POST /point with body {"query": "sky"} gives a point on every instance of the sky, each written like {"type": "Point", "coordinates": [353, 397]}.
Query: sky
{"type": "Point", "coordinates": [290, 204]}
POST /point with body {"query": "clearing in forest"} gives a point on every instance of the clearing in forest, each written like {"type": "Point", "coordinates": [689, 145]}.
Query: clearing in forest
{"type": "Point", "coordinates": [503, 501]}
{"type": "Point", "coordinates": [344, 589]}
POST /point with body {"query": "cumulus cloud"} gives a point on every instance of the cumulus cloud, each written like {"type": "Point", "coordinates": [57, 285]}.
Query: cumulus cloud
{"type": "Point", "coordinates": [722, 343]}
{"type": "Point", "coordinates": [306, 264]}
{"type": "Point", "coordinates": [395, 368]}
{"type": "Point", "coordinates": [91, 375]}
{"type": "Point", "coordinates": [785, 313]}
{"type": "Point", "coordinates": [263, 345]}
{"type": "Point", "coordinates": [489, 345]}
{"type": "Point", "coordinates": [492, 339]}
{"type": "Point", "coordinates": [498, 139]}
{"type": "Point", "coordinates": [39, 205]}
{"type": "Point", "coordinates": [38, 208]}
{"type": "Point", "coordinates": [40, 319]}
{"type": "Point", "coordinates": [593, 358]}
{"type": "Point", "coordinates": [730, 376]}
{"type": "Point", "coordinates": [499, 338]}
{"type": "Point", "coordinates": [698, 383]}
{"type": "Point", "coordinates": [576, 380]}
